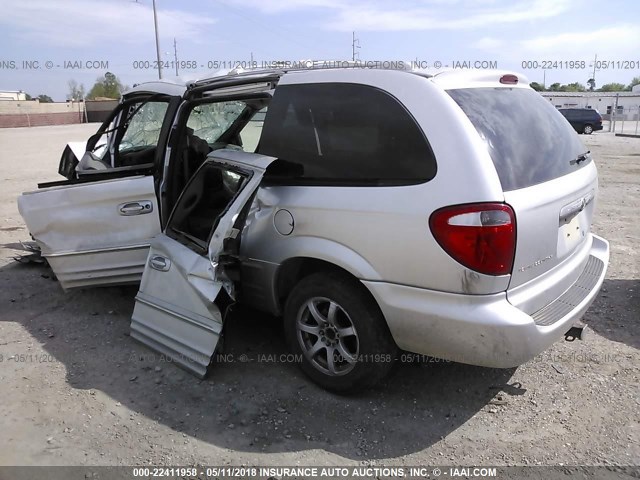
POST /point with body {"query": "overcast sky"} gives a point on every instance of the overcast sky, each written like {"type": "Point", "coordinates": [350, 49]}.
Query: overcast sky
{"type": "Point", "coordinates": [120, 32]}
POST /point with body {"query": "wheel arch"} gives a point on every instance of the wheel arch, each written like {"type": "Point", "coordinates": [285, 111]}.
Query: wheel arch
{"type": "Point", "coordinates": [294, 269]}
{"type": "Point", "coordinates": [325, 283]}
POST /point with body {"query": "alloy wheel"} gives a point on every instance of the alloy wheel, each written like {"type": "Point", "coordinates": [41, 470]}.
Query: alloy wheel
{"type": "Point", "coordinates": [327, 336]}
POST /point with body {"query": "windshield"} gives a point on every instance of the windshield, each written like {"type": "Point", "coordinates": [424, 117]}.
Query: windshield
{"type": "Point", "coordinates": [529, 141]}
{"type": "Point", "coordinates": [143, 125]}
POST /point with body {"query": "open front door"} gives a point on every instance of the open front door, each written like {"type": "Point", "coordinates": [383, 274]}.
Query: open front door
{"type": "Point", "coordinates": [95, 227]}
{"type": "Point", "coordinates": [94, 233]}
{"type": "Point", "coordinates": [175, 311]}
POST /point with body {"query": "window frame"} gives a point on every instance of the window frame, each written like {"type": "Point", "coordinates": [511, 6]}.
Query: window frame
{"type": "Point", "coordinates": [500, 141]}
{"type": "Point", "coordinates": [180, 236]}
{"type": "Point", "coordinates": [171, 197]}
{"type": "Point", "coordinates": [276, 180]}
{"type": "Point", "coordinates": [121, 131]}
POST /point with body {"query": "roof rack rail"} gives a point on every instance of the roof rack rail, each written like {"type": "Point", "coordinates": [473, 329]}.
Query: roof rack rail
{"type": "Point", "coordinates": [276, 69]}
{"type": "Point", "coordinates": [232, 80]}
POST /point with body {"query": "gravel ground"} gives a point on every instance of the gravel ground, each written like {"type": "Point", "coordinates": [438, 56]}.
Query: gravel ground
{"type": "Point", "coordinates": [78, 391]}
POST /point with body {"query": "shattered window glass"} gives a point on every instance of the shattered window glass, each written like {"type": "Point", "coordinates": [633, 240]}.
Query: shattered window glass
{"type": "Point", "coordinates": [211, 120]}
{"type": "Point", "coordinates": [144, 125]}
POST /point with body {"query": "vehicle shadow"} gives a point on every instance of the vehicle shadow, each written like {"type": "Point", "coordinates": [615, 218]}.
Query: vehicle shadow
{"type": "Point", "coordinates": [614, 314]}
{"type": "Point", "coordinates": [256, 399]}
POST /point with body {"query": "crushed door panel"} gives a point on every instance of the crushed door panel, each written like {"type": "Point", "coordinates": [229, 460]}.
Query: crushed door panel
{"type": "Point", "coordinates": [175, 311]}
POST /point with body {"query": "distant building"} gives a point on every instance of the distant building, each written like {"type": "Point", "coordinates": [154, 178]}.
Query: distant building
{"type": "Point", "coordinates": [98, 110]}
{"type": "Point", "coordinates": [628, 103]}
{"type": "Point", "coordinates": [16, 95]}
{"type": "Point", "coordinates": [30, 113]}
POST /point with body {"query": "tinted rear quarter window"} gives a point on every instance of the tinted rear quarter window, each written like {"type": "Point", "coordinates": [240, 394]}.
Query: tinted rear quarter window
{"type": "Point", "coordinates": [342, 133]}
{"type": "Point", "coordinates": [528, 139]}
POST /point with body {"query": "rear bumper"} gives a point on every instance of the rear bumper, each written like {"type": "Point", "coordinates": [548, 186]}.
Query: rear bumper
{"type": "Point", "coordinates": [485, 330]}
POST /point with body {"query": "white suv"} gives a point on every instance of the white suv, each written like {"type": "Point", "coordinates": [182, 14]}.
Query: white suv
{"type": "Point", "coordinates": [446, 215]}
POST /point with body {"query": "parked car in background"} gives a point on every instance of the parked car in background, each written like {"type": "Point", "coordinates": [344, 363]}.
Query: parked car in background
{"type": "Point", "coordinates": [375, 210]}
{"type": "Point", "coordinates": [583, 120]}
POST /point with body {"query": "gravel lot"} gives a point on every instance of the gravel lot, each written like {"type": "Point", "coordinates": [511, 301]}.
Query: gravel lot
{"type": "Point", "coordinates": [78, 391]}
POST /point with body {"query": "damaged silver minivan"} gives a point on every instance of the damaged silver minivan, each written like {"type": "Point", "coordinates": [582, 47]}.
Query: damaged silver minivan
{"type": "Point", "coordinates": [375, 210]}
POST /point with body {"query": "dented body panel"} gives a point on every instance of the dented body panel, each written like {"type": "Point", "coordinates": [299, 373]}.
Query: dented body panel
{"type": "Point", "coordinates": [86, 233]}
{"type": "Point", "coordinates": [175, 311]}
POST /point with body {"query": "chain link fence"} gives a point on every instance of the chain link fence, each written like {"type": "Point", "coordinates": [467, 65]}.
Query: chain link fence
{"type": "Point", "coordinates": [622, 120]}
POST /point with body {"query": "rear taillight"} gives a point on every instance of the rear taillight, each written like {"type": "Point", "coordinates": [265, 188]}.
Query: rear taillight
{"type": "Point", "coordinates": [480, 236]}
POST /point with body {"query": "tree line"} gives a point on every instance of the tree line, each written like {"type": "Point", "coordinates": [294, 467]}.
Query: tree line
{"type": "Point", "coordinates": [42, 97]}
{"type": "Point", "coordinates": [590, 87]}
{"type": "Point", "coordinates": [107, 86]}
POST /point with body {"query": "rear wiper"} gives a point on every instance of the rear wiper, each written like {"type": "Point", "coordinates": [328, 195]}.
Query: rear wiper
{"type": "Point", "coordinates": [580, 158]}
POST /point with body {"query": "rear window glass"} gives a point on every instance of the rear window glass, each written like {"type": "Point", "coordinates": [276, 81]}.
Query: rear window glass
{"type": "Point", "coordinates": [340, 133]}
{"type": "Point", "coordinates": [529, 141]}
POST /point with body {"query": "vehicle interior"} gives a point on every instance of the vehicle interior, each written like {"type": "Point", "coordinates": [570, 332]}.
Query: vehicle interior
{"type": "Point", "coordinates": [234, 122]}
{"type": "Point", "coordinates": [131, 139]}
{"type": "Point", "coordinates": [124, 145]}
{"type": "Point", "coordinates": [204, 201]}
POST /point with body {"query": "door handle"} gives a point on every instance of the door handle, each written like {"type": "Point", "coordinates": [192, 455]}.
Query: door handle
{"type": "Point", "coordinates": [135, 208]}
{"type": "Point", "coordinates": [159, 262]}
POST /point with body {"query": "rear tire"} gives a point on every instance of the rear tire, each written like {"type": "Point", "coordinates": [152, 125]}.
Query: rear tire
{"type": "Point", "coordinates": [336, 328]}
{"type": "Point", "coordinates": [587, 129]}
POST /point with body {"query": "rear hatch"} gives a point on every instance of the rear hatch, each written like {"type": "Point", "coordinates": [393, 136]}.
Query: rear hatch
{"type": "Point", "coordinates": [549, 179]}
{"type": "Point", "coordinates": [597, 118]}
